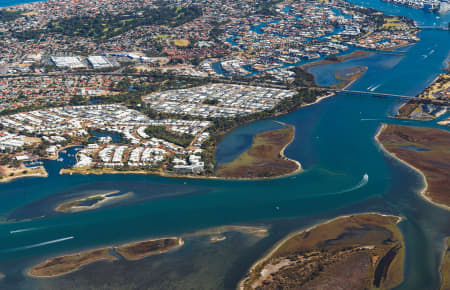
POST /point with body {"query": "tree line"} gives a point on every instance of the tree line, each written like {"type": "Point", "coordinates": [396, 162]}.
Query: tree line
{"type": "Point", "coordinates": [104, 26]}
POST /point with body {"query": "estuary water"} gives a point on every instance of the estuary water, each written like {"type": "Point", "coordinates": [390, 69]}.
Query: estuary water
{"type": "Point", "coordinates": [6, 3]}
{"type": "Point", "coordinates": [345, 172]}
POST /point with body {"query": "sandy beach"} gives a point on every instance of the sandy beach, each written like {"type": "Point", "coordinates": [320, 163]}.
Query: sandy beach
{"type": "Point", "coordinates": [422, 193]}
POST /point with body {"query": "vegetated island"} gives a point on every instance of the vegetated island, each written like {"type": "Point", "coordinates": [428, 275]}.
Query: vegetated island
{"type": "Point", "coordinates": [69, 263]}
{"type": "Point", "coordinates": [133, 251]}
{"type": "Point", "coordinates": [430, 104]}
{"type": "Point", "coordinates": [265, 158]}
{"type": "Point", "coordinates": [139, 250]}
{"type": "Point", "coordinates": [445, 267]}
{"type": "Point", "coordinates": [362, 251]}
{"type": "Point", "coordinates": [425, 149]}
{"type": "Point", "coordinates": [90, 202]}
{"type": "Point", "coordinates": [218, 233]}
{"type": "Point", "coordinates": [347, 76]}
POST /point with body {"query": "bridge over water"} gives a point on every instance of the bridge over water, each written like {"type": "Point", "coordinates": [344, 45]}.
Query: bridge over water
{"type": "Point", "coordinates": [433, 27]}
{"type": "Point", "coordinates": [374, 93]}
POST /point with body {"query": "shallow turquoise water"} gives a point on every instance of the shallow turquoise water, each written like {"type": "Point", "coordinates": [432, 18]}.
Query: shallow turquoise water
{"type": "Point", "coordinates": [5, 3]}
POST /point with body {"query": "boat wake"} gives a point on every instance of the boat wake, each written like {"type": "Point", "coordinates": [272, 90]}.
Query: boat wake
{"type": "Point", "coordinates": [23, 230]}
{"type": "Point", "coordinates": [427, 55]}
{"type": "Point", "coordinates": [37, 245]}
{"type": "Point", "coordinates": [361, 183]}
{"type": "Point", "coordinates": [374, 87]}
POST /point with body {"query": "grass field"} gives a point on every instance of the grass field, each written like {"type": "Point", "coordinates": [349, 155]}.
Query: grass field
{"type": "Point", "coordinates": [180, 42]}
{"type": "Point", "coordinates": [391, 23]}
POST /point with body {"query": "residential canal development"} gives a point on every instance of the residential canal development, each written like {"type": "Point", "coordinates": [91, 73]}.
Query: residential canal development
{"type": "Point", "coordinates": [224, 144]}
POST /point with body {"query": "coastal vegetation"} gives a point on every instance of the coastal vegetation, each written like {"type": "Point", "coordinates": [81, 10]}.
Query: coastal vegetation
{"type": "Point", "coordinates": [139, 250]}
{"type": "Point", "coordinates": [346, 76]}
{"type": "Point", "coordinates": [66, 264]}
{"type": "Point", "coordinates": [87, 203]}
{"type": "Point", "coordinates": [336, 59]}
{"type": "Point", "coordinates": [303, 78]}
{"type": "Point", "coordinates": [161, 132]}
{"type": "Point", "coordinates": [13, 171]}
{"type": "Point", "coordinates": [132, 251]}
{"type": "Point", "coordinates": [353, 252]}
{"type": "Point", "coordinates": [264, 158]}
{"type": "Point", "coordinates": [426, 149]}
{"type": "Point", "coordinates": [223, 125]}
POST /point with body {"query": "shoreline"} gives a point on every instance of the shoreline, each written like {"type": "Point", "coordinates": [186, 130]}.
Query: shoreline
{"type": "Point", "coordinates": [422, 192]}
{"type": "Point", "coordinates": [14, 178]}
{"type": "Point", "coordinates": [106, 247]}
{"type": "Point", "coordinates": [78, 208]}
{"type": "Point", "coordinates": [358, 53]}
{"type": "Point", "coordinates": [299, 165]}
{"type": "Point", "coordinates": [280, 243]}
{"type": "Point", "coordinates": [162, 174]}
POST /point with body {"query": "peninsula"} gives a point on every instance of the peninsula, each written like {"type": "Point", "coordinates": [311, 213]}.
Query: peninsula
{"type": "Point", "coordinates": [265, 158]}
{"type": "Point", "coordinates": [427, 150]}
{"type": "Point", "coordinates": [430, 104]}
{"type": "Point", "coordinates": [133, 251]}
{"type": "Point", "coordinates": [353, 252]}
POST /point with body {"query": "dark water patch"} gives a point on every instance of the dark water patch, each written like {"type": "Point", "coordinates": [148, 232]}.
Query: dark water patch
{"type": "Point", "coordinates": [114, 253]}
{"type": "Point", "coordinates": [353, 233]}
{"type": "Point", "coordinates": [440, 163]}
{"type": "Point", "coordinates": [90, 201]}
{"type": "Point", "coordinates": [414, 148]}
{"type": "Point", "coordinates": [383, 266]}
{"type": "Point", "coordinates": [115, 138]}
{"type": "Point", "coordinates": [115, 194]}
